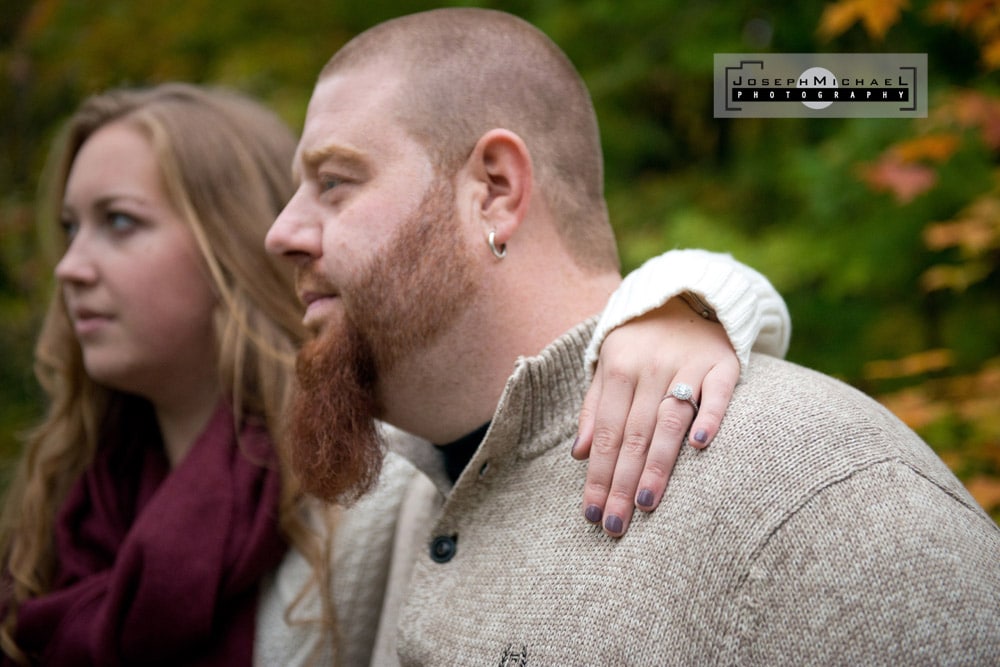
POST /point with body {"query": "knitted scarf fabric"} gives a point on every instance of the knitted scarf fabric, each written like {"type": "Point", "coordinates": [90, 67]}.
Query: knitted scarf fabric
{"type": "Point", "coordinates": [160, 566]}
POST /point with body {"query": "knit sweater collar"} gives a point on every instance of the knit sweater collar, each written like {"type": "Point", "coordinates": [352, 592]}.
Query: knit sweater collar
{"type": "Point", "coordinates": [538, 409]}
{"type": "Point", "coordinates": [542, 397]}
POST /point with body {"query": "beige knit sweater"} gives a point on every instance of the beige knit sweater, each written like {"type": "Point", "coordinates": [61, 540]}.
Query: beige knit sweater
{"type": "Point", "coordinates": [379, 538]}
{"type": "Point", "coordinates": [817, 529]}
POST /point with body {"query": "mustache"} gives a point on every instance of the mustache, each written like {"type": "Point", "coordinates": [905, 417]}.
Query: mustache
{"type": "Point", "coordinates": [312, 279]}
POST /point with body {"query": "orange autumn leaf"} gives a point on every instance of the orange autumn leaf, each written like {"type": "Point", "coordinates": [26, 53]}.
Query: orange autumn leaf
{"type": "Point", "coordinates": [986, 491]}
{"type": "Point", "coordinates": [977, 398]}
{"type": "Point", "coordinates": [898, 170]}
{"type": "Point", "coordinates": [905, 181]}
{"type": "Point", "coordinates": [974, 236]}
{"type": "Point", "coordinates": [968, 108]}
{"type": "Point", "coordinates": [944, 11]}
{"type": "Point", "coordinates": [837, 18]}
{"type": "Point", "coordinates": [953, 460]}
{"type": "Point", "coordinates": [987, 26]}
{"type": "Point", "coordinates": [980, 17]}
{"type": "Point", "coordinates": [971, 402]}
{"type": "Point", "coordinates": [932, 147]}
{"type": "Point", "coordinates": [877, 16]}
{"type": "Point", "coordinates": [914, 364]}
{"type": "Point", "coordinates": [956, 278]}
{"type": "Point", "coordinates": [943, 235]}
{"type": "Point", "coordinates": [39, 17]}
{"type": "Point", "coordinates": [981, 409]}
{"type": "Point", "coordinates": [984, 14]}
{"type": "Point", "coordinates": [991, 453]}
{"type": "Point", "coordinates": [976, 231]}
{"type": "Point", "coordinates": [975, 109]}
{"type": "Point", "coordinates": [971, 109]}
{"type": "Point", "coordinates": [914, 407]}
{"type": "Point", "coordinates": [987, 380]}
{"type": "Point", "coordinates": [991, 53]}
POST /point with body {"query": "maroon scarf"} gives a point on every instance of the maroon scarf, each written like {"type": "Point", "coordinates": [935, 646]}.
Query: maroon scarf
{"type": "Point", "coordinates": [158, 566]}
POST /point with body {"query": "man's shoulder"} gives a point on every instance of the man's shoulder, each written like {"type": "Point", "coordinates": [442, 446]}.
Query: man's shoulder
{"type": "Point", "coordinates": [799, 409]}
{"type": "Point", "coordinates": [791, 432]}
{"type": "Point", "coordinates": [771, 375]}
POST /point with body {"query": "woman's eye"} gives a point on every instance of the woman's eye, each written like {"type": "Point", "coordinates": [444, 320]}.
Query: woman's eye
{"type": "Point", "coordinates": [120, 222]}
{"type": "Point", "coordinates": [69, 228]}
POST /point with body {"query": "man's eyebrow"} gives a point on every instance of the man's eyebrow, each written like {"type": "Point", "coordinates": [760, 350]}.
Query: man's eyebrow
{"type": "Point", "coordinates": [310, 159]}
{"type": "Point", "coordinates": [345, 156]}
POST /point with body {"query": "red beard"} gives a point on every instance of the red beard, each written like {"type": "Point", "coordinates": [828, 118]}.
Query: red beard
{"type": "Point", "coordinates": [335, 446]}
{"type": "Point", "coordinates": [399, 304]}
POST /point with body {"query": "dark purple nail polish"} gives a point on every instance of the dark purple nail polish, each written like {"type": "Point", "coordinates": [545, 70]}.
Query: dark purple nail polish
{"type": "Point", "coordinates": [575, 443]}
{"type": "Point", "coordinates": [645, 498]}
{"type": "Point", "coordinates": [701, 435]}
{"type": "Point", "coordinates": [593, 514]}
{"type": "Point", "coordinates": [613, 524]}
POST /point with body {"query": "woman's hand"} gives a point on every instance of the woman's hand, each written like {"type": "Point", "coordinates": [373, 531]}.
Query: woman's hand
{"type": "Point", "coordinates": [631, 427]}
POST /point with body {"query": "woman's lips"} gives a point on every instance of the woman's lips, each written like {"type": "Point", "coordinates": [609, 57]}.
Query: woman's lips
{"type": "Point", "coordinates": [86, 322]}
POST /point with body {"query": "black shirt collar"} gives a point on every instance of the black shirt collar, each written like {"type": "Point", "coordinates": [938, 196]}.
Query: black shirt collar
{"type": "Point", "coordinates": [458, 453]}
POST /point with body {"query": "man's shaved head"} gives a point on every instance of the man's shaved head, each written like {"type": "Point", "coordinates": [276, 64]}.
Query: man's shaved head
{"type": "Point", "coordinates": [467, 71]}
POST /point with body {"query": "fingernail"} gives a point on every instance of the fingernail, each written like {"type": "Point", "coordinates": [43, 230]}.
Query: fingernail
{"type": "Point", "coordinates": [613, 524]}
{"type": "Point", "coordinates": [701, 435]}
{"type": "Point", "coordinates": [593, 514]}
{"type": "Point", "coordinates": [575, 443]}
{"type": "Point", "coordinates": [645, 498]}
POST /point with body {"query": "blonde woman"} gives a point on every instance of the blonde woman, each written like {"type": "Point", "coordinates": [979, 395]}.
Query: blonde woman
{"type": "Point", "coordinates": [152, 501]}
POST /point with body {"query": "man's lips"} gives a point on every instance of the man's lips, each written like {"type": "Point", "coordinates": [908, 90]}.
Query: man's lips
{"type": "Point", "coordinates": [309, 297]}
{"type": "Point", "coordinates": [316, 293]}
{"type": "Point", "coordinates": [316, 303]}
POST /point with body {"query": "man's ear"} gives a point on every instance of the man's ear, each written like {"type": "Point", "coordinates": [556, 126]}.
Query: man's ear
{"type": "Point", "coordinates": [500, 165]}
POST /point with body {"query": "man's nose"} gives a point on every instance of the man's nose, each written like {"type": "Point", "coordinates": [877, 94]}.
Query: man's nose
{"type": "Point", "coordinates": [297, 231]}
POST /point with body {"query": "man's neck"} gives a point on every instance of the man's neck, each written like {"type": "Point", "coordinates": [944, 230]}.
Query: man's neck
{"type": "Point", "coordinates": [454, 385]}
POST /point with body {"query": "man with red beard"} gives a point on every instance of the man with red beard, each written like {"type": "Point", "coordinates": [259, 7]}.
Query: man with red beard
{"type": "Point", "coordinates": [449, 227]}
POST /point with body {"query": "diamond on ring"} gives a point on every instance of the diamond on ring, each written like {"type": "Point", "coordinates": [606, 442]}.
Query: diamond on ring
{"type": "Point", "coordinates": [683, 392]}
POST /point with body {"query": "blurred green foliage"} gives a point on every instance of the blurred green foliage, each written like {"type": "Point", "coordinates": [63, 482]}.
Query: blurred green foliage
{"type": "Point", "coordinates": [886, 250]}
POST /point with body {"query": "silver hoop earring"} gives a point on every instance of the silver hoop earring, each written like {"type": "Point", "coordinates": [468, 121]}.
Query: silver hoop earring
{"type": "Point", "coordinates": [491, 239]}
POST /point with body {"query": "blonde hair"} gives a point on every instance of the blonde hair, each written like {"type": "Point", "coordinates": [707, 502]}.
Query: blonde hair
{"type": "Point", "coordinates": [466, 71]}
{"type": "Point", "coordinates": [225, 163]}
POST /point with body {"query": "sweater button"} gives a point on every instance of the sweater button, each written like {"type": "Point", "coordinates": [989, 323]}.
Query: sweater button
{"type": "Point", "coordinates": [443, 548]}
